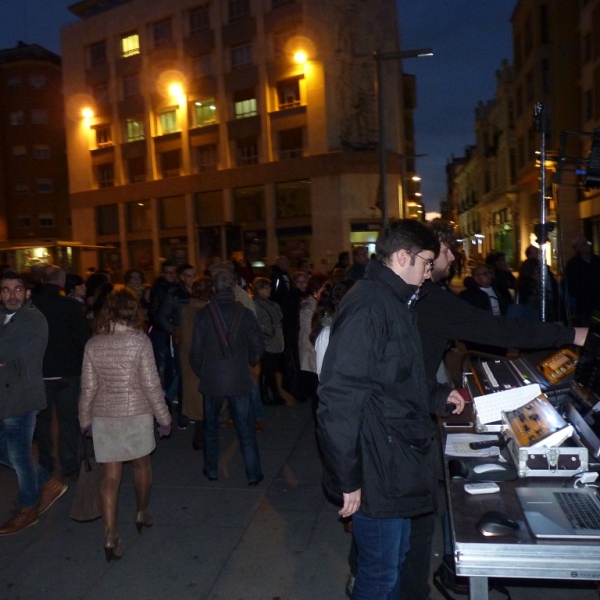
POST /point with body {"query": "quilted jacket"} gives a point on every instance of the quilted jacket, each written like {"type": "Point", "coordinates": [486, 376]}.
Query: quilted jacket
{"type": "Point", "coordinates": [120, 379]}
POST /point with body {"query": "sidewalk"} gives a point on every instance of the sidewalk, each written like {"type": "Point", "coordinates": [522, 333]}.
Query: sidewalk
{"type": "Point", "coordinates": [211, 540]}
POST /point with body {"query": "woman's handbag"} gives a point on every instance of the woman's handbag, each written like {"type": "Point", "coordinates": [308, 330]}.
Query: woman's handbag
{"type": "Point", "coordinates": [86, 506]}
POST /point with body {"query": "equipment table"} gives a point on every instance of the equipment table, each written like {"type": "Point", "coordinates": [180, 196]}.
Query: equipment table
{"type": "Point", "coordinates": [517, 555]}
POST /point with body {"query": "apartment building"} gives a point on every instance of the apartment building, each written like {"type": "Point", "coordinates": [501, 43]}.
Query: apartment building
{"type": "Point", "coordinates": [589, 28]}
{"type": "Point", "coordinates": [203, 128]}
{"type": "Point", "coordinates": [34, 202]}
{"type": "Point", "coordinates": [547, 69]}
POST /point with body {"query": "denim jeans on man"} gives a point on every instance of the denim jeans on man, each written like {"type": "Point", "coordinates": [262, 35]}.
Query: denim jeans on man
{"type": "Point", "coordinates": [240, 408]}
{"type": "Point", "coordinates": [16, 436]}
{"type": "Point", "coordinates": [63, 396]}
{"type": "Point", "coordinates": [382, 545]}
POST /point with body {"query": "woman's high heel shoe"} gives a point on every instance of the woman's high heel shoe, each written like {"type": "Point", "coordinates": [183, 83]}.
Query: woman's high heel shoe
{"type": "Point", "coordinates": [112, 547]}
{"type": "Point", "coordinates": [143, 519]}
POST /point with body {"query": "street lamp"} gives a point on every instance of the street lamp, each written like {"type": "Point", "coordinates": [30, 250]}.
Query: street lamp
{"type": "Point", "coordinates": [379, 58]}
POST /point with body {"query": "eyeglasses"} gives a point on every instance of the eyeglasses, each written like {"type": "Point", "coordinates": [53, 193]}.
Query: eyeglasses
{"type": "Point", "coordinates": [429, 263]}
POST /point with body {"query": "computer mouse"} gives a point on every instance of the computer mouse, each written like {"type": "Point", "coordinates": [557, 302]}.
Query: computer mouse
{"type": "Point", "coordinates": [496, 523]}
{"type": "Point", "coordinates": [488, 467]}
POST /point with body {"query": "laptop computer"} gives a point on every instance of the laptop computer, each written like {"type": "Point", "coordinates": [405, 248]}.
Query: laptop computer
{"type": "Point", "coordinates": [556, 513]}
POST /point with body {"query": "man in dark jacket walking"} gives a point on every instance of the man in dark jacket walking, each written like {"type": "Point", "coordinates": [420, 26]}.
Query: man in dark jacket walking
{"type": "Point", "coordinates": [68, 333]}
{"type": "Point", "coordinates": [374, 423]}
{"type": "Point", "coordinates": [226, 343]}
{"type": "Point", "coordinates": [23, 338]}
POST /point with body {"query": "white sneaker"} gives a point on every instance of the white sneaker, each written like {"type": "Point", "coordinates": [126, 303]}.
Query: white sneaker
{"type": "Point", "coordinates": [350, 585]}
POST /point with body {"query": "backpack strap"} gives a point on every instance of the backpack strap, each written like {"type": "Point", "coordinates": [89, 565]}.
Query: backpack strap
{"type": "Point", "coordinates": [225, 335]}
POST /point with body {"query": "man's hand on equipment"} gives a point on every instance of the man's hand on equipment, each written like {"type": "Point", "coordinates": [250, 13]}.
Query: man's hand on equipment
{"type": "Point", "coordinates": [456, 399]}
{"type": "Point", "coordinates": [580, 335]}
{"type": "Point", "coordinates": [351, 504]}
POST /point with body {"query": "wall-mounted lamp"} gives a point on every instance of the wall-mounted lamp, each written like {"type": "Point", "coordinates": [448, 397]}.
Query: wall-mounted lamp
{"type": "Point", "coordinates": [87, 113]}
{"type": "Point", "coordinates": [300, 57]}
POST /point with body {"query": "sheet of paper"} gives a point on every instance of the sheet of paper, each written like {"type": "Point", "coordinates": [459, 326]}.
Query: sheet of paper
{"type": "Point", "coordinates": [490, 406]}
{"type": "Point", "coordinates": [457, 444]}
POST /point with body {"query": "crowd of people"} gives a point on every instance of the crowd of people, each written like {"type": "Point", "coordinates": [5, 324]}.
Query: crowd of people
{"type": "Point", "coordinates": [119, 361]}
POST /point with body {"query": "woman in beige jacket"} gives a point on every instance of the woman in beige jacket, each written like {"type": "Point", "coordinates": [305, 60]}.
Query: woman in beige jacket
{"type": "Point", "coordinates": [120, 396]}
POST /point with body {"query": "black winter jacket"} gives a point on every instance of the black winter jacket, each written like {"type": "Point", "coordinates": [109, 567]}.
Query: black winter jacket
{"type": "Point", "coordinates": [68, 332]}
{"type": "Point", "coordinates": [158, 294]}
{"type": "Point", "coordinates": [374, 423]}
{"type": "Point", "coordinates": [169, 312]}
{"type": "Point", "coordinates": [444, 317]}
{"type": "Point", "coordinates": [220, 375]}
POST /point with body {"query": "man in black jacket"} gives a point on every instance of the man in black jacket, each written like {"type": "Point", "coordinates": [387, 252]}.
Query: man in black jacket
{"type": "Point", "coordinates": [374, 423]}
{"type": "Point", "coordinates": [68, 333]}
{"type": "Point", "coordinates": [226, 344]}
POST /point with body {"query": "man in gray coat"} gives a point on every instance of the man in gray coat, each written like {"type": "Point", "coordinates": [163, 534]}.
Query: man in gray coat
{"type": "Point", "coordinates": [23, 339]}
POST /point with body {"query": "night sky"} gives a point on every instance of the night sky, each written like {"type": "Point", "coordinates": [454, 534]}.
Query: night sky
{"type": "Point", "coordinates": [469, 37]}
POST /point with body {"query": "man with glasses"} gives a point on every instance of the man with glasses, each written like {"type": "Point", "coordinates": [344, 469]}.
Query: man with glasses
{"type": "Point", "coordinates": [374, 423]}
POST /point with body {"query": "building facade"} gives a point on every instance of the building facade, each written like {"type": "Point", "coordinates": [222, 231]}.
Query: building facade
{"type": "Point", "coordinates": [199, 129]}
{"type": "Point", "coordinates": [35, 223]}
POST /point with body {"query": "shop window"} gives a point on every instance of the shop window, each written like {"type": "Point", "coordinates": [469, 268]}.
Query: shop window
{"type": "Point", "coordinates": [17, 117]}
{"type": "Point", "coordinates": [43, 186]}
{"type": "Point", "coordinates": [23, 221]}
{"type": "Point", "coordinates": [135, 130]}
{"type": "Point", "coordinates": [288, 93]}
{"type": "Point", "coordinates": [199, 19]}
{"type": "Point", "coordinates": [162, 33]}
{"type": "Point", "coordinates": [170, 163]}
{"type": "Point", "coordinates": [107, 219]}
{"type": "Point", "coordinates": [39, 116]}
{"type": "Point", "coordinates": [209, 208]}
{"type": "Point", "coordinates": [131, 86]}
{"type": "Point", "coordinates": [97, 53]}
{"type": "Point", "coordinates": [172, 212]}
{"type": "Point", "coordinates": [247, 151]}
{"type": "Point", "coordinates": [244, 104]}
{"type": "Point", "coordinates": [238, 9]}
{"type": "Point", "coordinates": [291, 143]}
{"type": "Point", "coordinates": [207, 157]}
{"type": "Point", "coordinates": [105, 175]}
{"type": "Point", "coordinates": [205, 112]}
{"type": "Point", "coordinates": [248, 204]}
{"type": "Point", "coordinates": [168, 121]}
{"type": "Point", "coordinates": [136, 169]}
{"type": "Point", "coordinates": [130, 44]}
{"type": "Point", "coordinates": [41, 151]}
{"type": "Point", "coordinates": [138, 216]}
{"type": "Point", "coordinates": [37, 82]}
{"type": "Point", "coordinates": [293, 198]}
{"type": "Point", "coordinates": [241, 55]}
{"type": "Point", "coordinates": [141, 256]}
{"type": "Point", "coordinates": [46, 220]}
{"type": "Point", "coordinates": [103, 136]}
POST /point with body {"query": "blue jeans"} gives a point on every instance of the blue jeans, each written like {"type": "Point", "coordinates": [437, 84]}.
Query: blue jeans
{"type": "Point", "coordinates": [258, 408]}
{"type": "Point", "coordinates": [382, 545]}
{"type": "Point", "coordinates": [240, 408]}
{"type": "Point", "coordinates": [16, 436]}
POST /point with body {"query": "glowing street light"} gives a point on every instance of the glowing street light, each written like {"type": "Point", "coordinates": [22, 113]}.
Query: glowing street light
{"type": "Point", "coordinates": [176, 90]}
{"type": "Point", "coordinates": [416, 178]}
{"type": "Point", "coordinates": [87, 113]}
{"type": "Point", "coordinates": [300, 57]}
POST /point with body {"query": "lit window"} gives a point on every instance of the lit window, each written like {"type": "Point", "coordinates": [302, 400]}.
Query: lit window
{"type": "Point", "coordinates": [161, 33]}
{"type": "Point", "coordinates": [168, 121]}
{"type": "Point", "coordinates": [238, 9]}
{"type": "Point", "coordinates": [46, 219]}
{"type": "Point", "coordinates": [39, 116]}
{"type": "Point", "coordinates": [202, 65]}
{"type": "Point", "coordinates": [21, 188]}
{"type": "Point", "coordinates": [37, 82]}
{"type": "Point", "coordinates": [98, 53]}
{"type": "Point", "coordinates": [130, 44]}
{"type": "Point", "coordinates": [106, 175]}
{"type": "Point", "coordinates": [103, 136]}
{"type": "Point", "coordinates": [131, 86]}
{"type": "Point", "coordinates": [135, 130]}
{"type": "Point", "coordinates": [244, 104]}
{"type": "Point", "coordinates": [207, 157]}
{"type": "Point", "coordinates": [247, 151]}
{"type": "Point", "coordinates": [206, 112]}
{"type": "Point", "coordinates": [199, 19]}
{"type": "Point", "coordinates": [14, 83]}
{"type": "Point", "coordinates": [41, 151]}
{"type": "Point", "coordinates": [241, 55]}
{"type": "Point", "coordinates": [17, 117]}
{"type": "Point", "coordinates": [19, 151]}
{"type": "Point", "coordinates": [288, 93]}
{"type": "Point", "coordinates": [23, 221]}
{"type": "Point", "coordinates": [43, 186]}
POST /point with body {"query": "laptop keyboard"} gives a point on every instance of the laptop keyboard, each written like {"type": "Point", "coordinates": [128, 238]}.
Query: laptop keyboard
{"type": "Point", "coordinates": [580, 509]}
